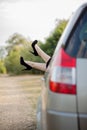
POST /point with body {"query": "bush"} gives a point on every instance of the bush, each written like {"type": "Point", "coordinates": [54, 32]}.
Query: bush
{"type": "Point", "coordinates": [2, 67]}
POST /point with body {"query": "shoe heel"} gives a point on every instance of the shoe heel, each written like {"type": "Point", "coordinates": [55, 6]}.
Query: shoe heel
{"type": "Point", "coordinates": [34, 50]}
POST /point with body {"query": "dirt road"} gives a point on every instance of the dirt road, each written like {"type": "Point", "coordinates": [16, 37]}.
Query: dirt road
{"type": "Point", "coordinates": [15, 108]}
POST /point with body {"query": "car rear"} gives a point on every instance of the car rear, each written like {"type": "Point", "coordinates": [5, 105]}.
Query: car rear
{"type": "Point", "coordinates": [64, 97]}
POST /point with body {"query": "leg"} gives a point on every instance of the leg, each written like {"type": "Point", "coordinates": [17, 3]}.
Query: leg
{"type": "Point", "coordinates": [22, 62]}
{"type": "Point", "coordinates": [37, 51]}
{"type": "Point", "coordinates": [39, 66]}
{"type": "Point", "coordinates": [29, 65]}
{"type": "Point", "coordinates": [42, 54]}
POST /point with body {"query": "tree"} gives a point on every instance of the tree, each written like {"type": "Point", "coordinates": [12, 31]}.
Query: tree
{"type": "Point", "coordinates": [51, 42]}
{"type": "Point", "coordinates": [2, 55]}
{"type": "Point", "coordinates": [2, 52]}
{"type": "Point", "coordinates": [16, 45]}
{"type": "Point", "coordinates": [2, 67]}
{"type": "Point", "coordinates": [16, 40]}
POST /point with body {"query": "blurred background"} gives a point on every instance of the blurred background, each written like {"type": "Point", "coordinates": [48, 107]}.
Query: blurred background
{"type": "Point", "coordinates": [22, 21]}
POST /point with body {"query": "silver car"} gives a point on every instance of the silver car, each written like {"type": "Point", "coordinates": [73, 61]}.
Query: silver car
{"type": "Point", "coordinates": [63, 102]}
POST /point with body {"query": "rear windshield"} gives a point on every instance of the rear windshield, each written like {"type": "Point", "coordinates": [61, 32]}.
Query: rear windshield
{"type": "Point", "coordinates": [77, 43]}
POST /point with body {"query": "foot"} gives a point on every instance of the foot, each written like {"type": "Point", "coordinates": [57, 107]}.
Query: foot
{"type": "Point", "coordinates": [28, 67]}
{"type": "Point", "coordinates": [33, 46]}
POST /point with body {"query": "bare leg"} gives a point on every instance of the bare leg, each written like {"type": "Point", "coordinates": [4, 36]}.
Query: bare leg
{"type": "Point", "coordinates": [39, 66]}
{"type": "Point", "coordinates": [41, 53]}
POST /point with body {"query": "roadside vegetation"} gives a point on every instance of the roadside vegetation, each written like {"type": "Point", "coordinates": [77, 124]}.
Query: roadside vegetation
{"type": "Point", "coordinates": [18, 45]}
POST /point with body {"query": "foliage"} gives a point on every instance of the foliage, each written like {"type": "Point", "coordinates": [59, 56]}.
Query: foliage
{"type": "Point", "coordinates": [2, 52]}
{"type": "Point", "coordinates": [15, 51]}
{"type": "Point", "coordinates": [12, 62]}
{"type": "Point", "coordinates": [2, 67]}
{"type": "Point", "coordinates": [15, 40]}
{"type": "Point", "coordinates": [18, 45]}
{"type": "Point", "coordinates": [54, 37]}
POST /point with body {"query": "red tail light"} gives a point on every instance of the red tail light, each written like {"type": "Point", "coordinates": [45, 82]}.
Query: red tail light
{"type": "Point", "coordinates": [63, 74]}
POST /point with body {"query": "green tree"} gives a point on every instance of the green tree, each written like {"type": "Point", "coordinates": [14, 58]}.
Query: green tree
{"type": "Point", "coordinates": [16, 40]}
{"type": "Point", "coordinates": [12, 62]}
{"type": "Point", "coordinates": [2, 67]}
{"type": "Point", "coordinates": [51, 42]}
{"type": "Point", "coordinates": [2, 55]}
{"type": "Point", "coordinates": [16, 45]}
{"type": "Point", "coordinates": [2, 52]}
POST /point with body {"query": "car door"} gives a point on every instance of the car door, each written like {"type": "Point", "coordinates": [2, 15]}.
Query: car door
{"type": "Point", "coordinates": [82, 93]}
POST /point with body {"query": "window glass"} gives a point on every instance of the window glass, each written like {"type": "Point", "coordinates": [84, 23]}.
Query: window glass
{"type": "Point", "coordinates": [77, 43]}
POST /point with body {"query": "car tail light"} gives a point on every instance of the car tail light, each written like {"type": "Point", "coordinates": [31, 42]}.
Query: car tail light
{"type": "Point", "coordinates": [63, 74]}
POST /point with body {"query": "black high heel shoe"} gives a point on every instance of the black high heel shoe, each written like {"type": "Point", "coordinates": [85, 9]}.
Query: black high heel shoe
{"type": "Point", "coordinates": [28, 67]}
{"type": "Point", "coordinates": [48, 62]}
{"type": "Point", "coordinates": [33, 46]}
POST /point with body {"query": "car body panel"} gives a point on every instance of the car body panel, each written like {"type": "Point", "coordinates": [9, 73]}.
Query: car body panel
{"type": "Point", "coordinates": [61, 121]}
{"type": "Point", "coordinates": [82, 92]}
{"type": "Point", "coordinates": [61, 102]}
{"type": "Point", "coordinates": [82, 85]}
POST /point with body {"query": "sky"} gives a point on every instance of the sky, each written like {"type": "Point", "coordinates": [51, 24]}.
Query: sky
{"type": "Point", "coordinates": [34, 19]}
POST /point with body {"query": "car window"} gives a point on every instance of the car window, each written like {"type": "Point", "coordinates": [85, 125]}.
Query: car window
{"type": "Point", "coordinates": [76, 45]}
